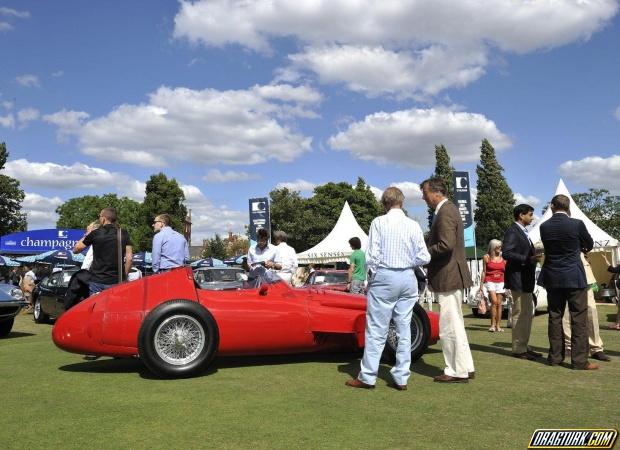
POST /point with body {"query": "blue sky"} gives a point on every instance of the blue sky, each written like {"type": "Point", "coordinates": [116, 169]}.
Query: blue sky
{"type": "Point", "coordinates": [235, 98]}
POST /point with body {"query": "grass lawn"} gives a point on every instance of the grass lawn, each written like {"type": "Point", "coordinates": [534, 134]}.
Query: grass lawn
{"type": "Point", "coordinates": [53, 399]}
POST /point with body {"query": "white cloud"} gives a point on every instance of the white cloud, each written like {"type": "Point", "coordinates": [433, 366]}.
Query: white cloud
{"type": "Point", "coordinates": [233, 127]}
{"type": "Point", "coordinates": [7, 121]}
{"type": "Point", "coordinates": [527, 199]}
{"type": "Point", "coordinates": [27, 115]}
{"type": "Point", "coordinates": [230, 176]}
{"type": "Point", "coordinates": [428, 45]}
{"type": "Point", "coordinates": [594, 172]}
{"type": "Point", "coordinates": [68, 122]}
{"type": "Point", "coordinates": [40, 211]}
{"type": "Point", "coordinates": [8, 105]}
{"type": "Point", "coordinates": [617, 113]}
{"type": "Point", "coordinates": [411, 191]}
{"type": "Point", "coordinates": [5, 26]}
{"type": "Point", "coordinates": [58, 73]}
{"type": "Point", "coordinates": [297, 185]}
{"type": "Point", "coordinates": [408, 137]}
{"type": "Point", "coordinates": [28, 80]}
{"type": "Point", "coordinates": [9, 12]}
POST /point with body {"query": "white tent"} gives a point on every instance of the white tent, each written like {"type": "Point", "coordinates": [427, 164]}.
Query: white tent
{"type": "Point", "coordinates": [335, 247]}
{"type": "Point", "coordinates": [602, 240]}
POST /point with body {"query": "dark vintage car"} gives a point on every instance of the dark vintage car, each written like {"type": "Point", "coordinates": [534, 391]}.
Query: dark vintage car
{"type": "Point", "coordinates": [11, 303]}
{"type": "Point", "coordinates": [328, 279]}
{"type": "Point", "coordinates": [48, 296]}
{"type": "Point", "coordinates": [219, 278]}
{"type": "Point", "coordinates": [177, 328]}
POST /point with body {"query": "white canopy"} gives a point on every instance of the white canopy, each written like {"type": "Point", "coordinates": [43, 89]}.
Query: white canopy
{"type": "Point", "coordinates": [602, 240]}
{"type": "Point", "coordinates": [335, 247]}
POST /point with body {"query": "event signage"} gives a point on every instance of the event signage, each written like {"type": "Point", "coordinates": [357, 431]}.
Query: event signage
{"type": "Point", "coordinates": [259, 216]}
{"type": "Point", "coordinates": [462, 198]}
{"type": "Point", "coordinates": [39, 241]}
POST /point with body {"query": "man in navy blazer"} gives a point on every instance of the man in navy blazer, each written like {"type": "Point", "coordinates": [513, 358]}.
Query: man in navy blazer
{"type": "Point", "coordinates": [564, 278]}
{"type": "Point", "coordinates": [519, 277]}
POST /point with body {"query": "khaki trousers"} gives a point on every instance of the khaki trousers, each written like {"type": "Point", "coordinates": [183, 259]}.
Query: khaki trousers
{"type": "Point", "coordinates": [452, 335]}
{"type": "Point", "coordinates": [594, 337]}
{"type": "Point", "coordinates": [522, 313]}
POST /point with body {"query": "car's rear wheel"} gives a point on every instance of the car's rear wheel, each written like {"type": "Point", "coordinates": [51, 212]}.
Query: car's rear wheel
{"type": "Point", "coordinates": [6, 326]}
{"type": "Point", "coordinates": [420, 334]}
{"type": "Point", "coordinates": [37, 314]}
{"type": "Point", "coordinates": [177, 339]}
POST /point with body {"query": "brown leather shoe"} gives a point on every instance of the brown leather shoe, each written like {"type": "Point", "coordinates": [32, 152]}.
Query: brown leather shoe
{"type": "Point", "coordinates": [398, 387]}
{"type": "Point", "coordinates": [471, 375]}
{"type": "Point", "coordinates": [601, 356]}
{"type": "Point", "coordinates": [589, 366]}
{"type": "Point", "coordinates": [448, 379]}
{"type": "Point", "coordinates": [355, 383]}
{"type": "Point", "coordinates": [523, 356]}
{"type": "Point", "coordinates": [534, 354]}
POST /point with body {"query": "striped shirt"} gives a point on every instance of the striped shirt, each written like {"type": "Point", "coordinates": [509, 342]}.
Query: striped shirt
{"type": "Point", "coordinates": [395, 242]}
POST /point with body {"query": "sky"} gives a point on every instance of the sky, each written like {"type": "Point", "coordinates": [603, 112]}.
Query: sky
{"type": "Point", "coordinates": [236, 98]}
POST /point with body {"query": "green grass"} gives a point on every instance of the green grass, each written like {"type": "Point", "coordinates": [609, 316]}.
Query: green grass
{"type": "Point", "coordinates": [53, 399]}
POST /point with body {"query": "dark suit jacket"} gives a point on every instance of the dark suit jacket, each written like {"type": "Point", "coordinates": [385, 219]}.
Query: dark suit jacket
{"type": "Point", "coordinates": [564, 239]}
{"type": "Point", "coordinates": [448, 269]}
{"type": "Point", "coordinates": [517, 250]}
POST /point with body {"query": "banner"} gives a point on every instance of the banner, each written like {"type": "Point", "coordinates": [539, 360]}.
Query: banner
{"type": "Point", "coordinates": [259, 216]}
{"type": "Point", "coordinates": [462, 199]}
{"type": "Point", "coordinates": [39, 241]}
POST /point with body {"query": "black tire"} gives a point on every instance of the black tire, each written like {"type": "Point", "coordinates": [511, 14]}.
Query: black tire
{"type": "Point", "coordinates": [6, 326]}
{"type": "Point", "coordinates": [37, 314]}
{"type": "Point", "coordinates": [160, 356]}
{"type": "Point", "coordinates": [420, 335]}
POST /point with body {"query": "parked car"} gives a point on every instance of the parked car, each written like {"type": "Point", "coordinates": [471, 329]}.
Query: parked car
{"type": "Point", "coordinates": [332, 279]}
{"type": "Point", "coordinates": [177, 328]}
{"type": "Point", "coordinates": [220, 278]}
{"type": "Point", "coordinates": [49, 295]}
{"type": "Point", "coordinates": [11, 303]}
{"type": "Point", "coordinates": [540, 299]}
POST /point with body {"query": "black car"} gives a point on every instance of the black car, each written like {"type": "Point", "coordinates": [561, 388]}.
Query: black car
{"type": "Point", "coordinates": [11, 303]}
{"type": "Point", "coordinates": [49, 295]}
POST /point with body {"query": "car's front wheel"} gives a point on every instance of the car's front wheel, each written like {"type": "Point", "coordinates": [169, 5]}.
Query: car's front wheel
{"type": "Point", "coordinates": [177, 339]}
{"type": "Point", "coordinates": [6, 326]}
{"type": "Point", "coordinates": [420, 334]}
{"type": "Point", "coordinates": [38, 314]}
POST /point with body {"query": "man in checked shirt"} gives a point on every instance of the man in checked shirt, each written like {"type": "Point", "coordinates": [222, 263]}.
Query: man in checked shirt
{"type": "Point", "coordinates": [395, 246]}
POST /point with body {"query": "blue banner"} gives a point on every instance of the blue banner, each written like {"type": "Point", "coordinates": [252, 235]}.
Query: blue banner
{"type": "Point", "coordinates": [462, 199]}
{"type": "Point", "coordinates": [39, 241]}
{"type": "Point", "coordinates": [259, 216]}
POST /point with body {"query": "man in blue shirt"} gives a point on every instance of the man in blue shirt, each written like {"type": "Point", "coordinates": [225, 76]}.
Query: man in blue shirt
{"type": "Point", "coordinates": [170, 248]}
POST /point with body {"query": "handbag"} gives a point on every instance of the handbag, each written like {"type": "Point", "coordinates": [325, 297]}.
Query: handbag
{"type": "Point", "coordinates": [482, 302]}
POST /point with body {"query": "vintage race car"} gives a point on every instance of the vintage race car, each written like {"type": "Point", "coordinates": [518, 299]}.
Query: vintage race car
{"type": "Point", "coordinates": [176, 328]}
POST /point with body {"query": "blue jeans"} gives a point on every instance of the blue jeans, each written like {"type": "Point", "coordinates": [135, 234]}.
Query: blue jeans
{"type": "Point", "coordinates": [95, 288]}
{"type": "Point", "coordinates": [392, 295]}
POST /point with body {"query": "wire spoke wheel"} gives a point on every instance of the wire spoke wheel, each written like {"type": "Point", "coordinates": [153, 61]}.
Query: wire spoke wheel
{"type": "Point", "coordinates": [179, 339]}
{"type": "Point", "coordinates": [417, 334]}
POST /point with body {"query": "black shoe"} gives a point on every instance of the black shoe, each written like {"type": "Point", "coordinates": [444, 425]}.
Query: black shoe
{"type": "Point", "coordinates": [601, 356]}
{"type": "Point", "coordinates": [534, 354]}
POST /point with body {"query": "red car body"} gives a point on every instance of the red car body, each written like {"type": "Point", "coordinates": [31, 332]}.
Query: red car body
{"type": "Point", "coordinates": [272, 319]}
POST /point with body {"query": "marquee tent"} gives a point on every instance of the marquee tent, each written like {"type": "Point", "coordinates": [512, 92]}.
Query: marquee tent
{"type": "Point", "coordinates": [603, 242]}
{"type": "Point", "coordinates": [335, 247]}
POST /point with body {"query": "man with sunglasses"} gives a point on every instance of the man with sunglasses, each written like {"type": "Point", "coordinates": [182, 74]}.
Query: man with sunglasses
{"type": "Point", "coordinates": [170, 248]}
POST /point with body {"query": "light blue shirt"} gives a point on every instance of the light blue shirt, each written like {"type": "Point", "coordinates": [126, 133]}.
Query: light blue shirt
{"type": "Point", "coordinates": [256, 255]}
{"type": "Point", "coordinates": [395, 242]}
{"type": "Point", "coordinates": [170, 249]}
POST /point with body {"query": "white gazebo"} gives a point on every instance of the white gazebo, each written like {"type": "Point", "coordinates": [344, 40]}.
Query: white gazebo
{"type": "Point", "coordinates": [603, 242]}
{"type": "Point", "coordinates": [335, 247]}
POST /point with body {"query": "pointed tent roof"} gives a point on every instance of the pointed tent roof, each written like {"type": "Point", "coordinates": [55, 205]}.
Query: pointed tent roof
{"type": "Point", "coordinates": [335, 247]}
{"type": "Point", "coordinates": [600, 237]}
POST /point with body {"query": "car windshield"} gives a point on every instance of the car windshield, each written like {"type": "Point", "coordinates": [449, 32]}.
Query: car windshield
{"type": "Point", "coordinates": [333, 277]}
{"type": "Point", "coordinates": [221, 275]}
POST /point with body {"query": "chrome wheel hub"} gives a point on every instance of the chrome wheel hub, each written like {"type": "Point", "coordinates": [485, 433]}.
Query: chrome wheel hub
{"type": "Point", "coordinates": [416, 333]}
{"type": "Point", "coordinates": [179, 340]}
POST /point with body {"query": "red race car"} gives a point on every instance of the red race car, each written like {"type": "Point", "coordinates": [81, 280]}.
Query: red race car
{"type": "Point", "coordinates": [177, 328]}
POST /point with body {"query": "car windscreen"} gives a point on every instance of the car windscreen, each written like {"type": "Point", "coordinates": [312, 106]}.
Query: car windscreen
{"type": "Point", "coordinates": [225, 275]}
{"type": "Point", "coordinates": [334, 277]}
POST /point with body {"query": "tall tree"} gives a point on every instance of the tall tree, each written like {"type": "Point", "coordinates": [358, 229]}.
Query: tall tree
{"type": "Point", "coordinates": [162, 196]}
{"type": "Point", "coordinates": [602, 208]}
{"type": "Point", "coordinates": [215, 248]}
{"type": "Point", "coordinates": [286, 212]}
{"type": "Point", "coordinates": [12, 218]}
{"type": "Point", "coordinates": [444, 171]}
{"type": "Point", "coordinates": [80, 211]}
{"type": "Point", "coordinates": [495, 200]}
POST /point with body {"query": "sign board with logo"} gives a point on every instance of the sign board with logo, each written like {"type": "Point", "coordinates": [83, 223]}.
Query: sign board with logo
{"type": "Point", "coordinates": [462, 199]}
{"type": "Point", "coordinates": [39, 241]}
{"type": "Point", "coordinates": [259, 216]}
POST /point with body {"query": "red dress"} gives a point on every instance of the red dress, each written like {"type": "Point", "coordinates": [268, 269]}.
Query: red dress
{"type": "Point", "coordinates": [494, 272]}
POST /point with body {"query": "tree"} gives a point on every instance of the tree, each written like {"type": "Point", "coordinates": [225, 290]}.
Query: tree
{"type": "Point", "coordinates": [215, 248]}
{"type": "Point", "coordinates": [495, 200]}
{"type": "Point", "coordinates": [602, 208]}
{"type": "Point", "coordinates": [12, 218]}
{"type": "Point", "coordinates": [162, 196]}
{"type": "Point", "coordinates": [286, 212]}
{"type": "Point", "coordinates": [80, 211]}
{"type": "Point", "coordinates": [444, 171]}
